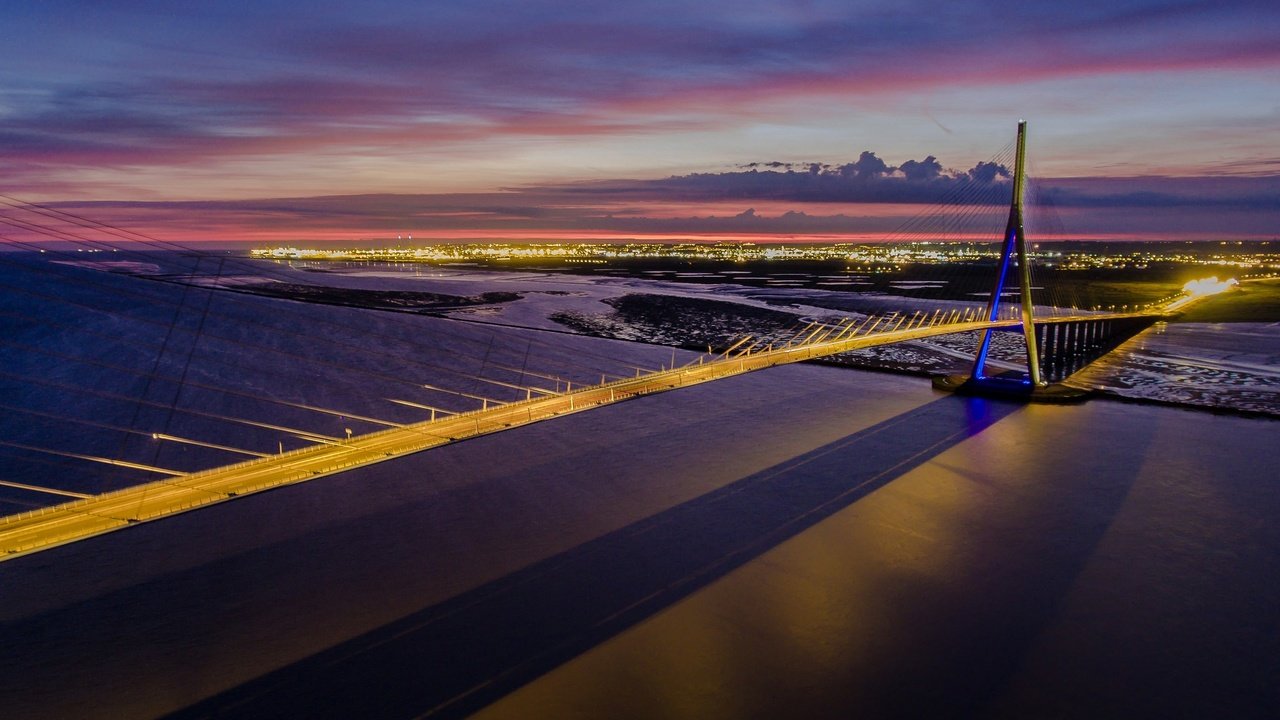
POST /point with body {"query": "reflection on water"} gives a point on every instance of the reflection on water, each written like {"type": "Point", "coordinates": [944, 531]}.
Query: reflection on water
{"type": "Point", "coordinates": [842, 546]}
{"type": "Point", "coordinates": [523, 625]}
{"type": "Point", "coordinates": [1032, 571]}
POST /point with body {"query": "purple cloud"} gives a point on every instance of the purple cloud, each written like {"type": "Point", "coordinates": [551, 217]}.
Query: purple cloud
{"type": "Point", "coordinates": [869, 179]}
{"type": "Point", "coordinates": [92, 84]}
{"type": "Point", "coordinates": [923, 170]}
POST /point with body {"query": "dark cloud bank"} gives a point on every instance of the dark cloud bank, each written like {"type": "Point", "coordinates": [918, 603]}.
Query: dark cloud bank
{"type": "Point", "coordinates": [867, 180]}
{"type": "Point", "coordinates": [1183, 207]}
{"type": "Point", "coordinates": [871, 180]}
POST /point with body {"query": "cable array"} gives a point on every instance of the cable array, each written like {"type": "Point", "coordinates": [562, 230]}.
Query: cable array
{"type": "Point", "coordinates": [124, 352]}
{"type": "Point", "coordinates": [412, 374]}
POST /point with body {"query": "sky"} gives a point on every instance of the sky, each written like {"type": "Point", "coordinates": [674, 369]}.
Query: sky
{"type": "Point", "coordinates": [808, 119]}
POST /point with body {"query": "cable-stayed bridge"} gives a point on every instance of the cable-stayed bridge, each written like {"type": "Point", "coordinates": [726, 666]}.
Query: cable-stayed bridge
{"type": "Point", "coordinates": [87, 516]}
{"type": "Point", "coordinates": [1054, 348]}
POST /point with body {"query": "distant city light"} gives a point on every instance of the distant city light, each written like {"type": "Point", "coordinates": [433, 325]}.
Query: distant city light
{"type": "Point", "coordinates": [867, 257]}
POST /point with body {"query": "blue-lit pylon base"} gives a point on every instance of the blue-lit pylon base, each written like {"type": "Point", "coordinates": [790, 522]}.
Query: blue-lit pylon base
{"type": "Point", "coordinates": [993, 311]}
{"type": "Point", "coordinates": [1010, 388]}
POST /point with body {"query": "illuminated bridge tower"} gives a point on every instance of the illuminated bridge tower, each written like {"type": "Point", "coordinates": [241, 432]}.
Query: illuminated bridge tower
{"type": "Point", "coordinates": [1069, 343]}
{"type": "Point", "coordinates": [1015, 240]}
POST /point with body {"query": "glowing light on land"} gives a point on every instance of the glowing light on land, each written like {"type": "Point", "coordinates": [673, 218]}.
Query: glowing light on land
{"type": "Point", "coordinates": [1208, 286]}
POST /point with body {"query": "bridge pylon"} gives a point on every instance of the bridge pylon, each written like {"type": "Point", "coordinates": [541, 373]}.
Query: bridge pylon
{"type": "Point", "coordinates": [1013, 251]}
{"type": "Point", "coordinates": [1015, 242]}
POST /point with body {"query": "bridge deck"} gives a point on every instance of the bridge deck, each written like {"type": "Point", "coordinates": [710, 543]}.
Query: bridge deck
{"type": "Point", "coordinates": [59, 524]}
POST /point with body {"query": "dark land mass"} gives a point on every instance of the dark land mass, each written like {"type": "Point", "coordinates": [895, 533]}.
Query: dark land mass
{"type": "Point", "coordinates": [403, 300]}
{"type": "Point", "coordinates": [692, 323]}
{"type": "Point", "coordinates": [1133, 284]}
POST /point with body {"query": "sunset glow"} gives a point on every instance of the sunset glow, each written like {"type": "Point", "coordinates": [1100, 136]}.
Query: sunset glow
{"type": "Point", "coordinates": [459, 120]}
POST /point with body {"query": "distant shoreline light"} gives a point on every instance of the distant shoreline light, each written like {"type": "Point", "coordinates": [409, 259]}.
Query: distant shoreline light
{"type": "Point", "coordinates": [613, 237]}
{"type": "Point", "coordinates": [1065, 258]}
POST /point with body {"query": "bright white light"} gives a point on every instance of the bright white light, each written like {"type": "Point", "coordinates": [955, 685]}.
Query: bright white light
{"type": "Point", "coordinates": [1208, 286]}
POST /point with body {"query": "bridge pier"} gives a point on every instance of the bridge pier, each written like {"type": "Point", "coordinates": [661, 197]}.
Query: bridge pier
{"type": "Point", "coordinates": [1067, 346]}
{"type": "Point", "coordinates": [1086, 341]}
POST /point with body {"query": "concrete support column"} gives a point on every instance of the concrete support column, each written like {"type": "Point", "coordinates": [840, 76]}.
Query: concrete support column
{"type": "Point", "coordinates": [1047, 352]}
{"type": "Point", "coordinates": [1064, 349]}
{"type": "Point", "coordinates": [1051, 360]}
{"type": "Point", "coordinates": [1082, 341]}
{"type": "Point", "coordinates": [1059, 348]}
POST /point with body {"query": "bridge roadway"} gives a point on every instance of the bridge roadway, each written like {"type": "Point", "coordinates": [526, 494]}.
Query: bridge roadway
{"type": "Point", "coordinates": [60, 524]}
